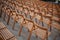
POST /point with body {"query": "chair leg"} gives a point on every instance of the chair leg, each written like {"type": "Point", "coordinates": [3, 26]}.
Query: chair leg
{"type": "Point", "coordinates": [20, 30]}
{"type": "Point", "coordinates": [55, 37]}
{"type": "Point", "coordinates": [30, 34]}
{"type": "Point", "coordinates": [8, 20]}
{"type": "Point", "coordinates": [47, 35]}
{"type": "Point", "coordinates": [50, 29]}
{"type": "Point", "coordinates": [13, 24]}
{"type": "Point", "coordinates": [0, 13]}
{"type": "Point", "coordinates": [4, 16]}
{"type": "Point", "coordinates": [36, 36]}
{"type": "Point", "coordinates": [42, 24]}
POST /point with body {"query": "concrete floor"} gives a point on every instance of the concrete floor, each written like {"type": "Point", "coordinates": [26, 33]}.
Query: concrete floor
{"type": "Point", "coordinates": [24, 34]}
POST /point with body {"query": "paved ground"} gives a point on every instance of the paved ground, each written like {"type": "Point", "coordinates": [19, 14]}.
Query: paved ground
{"type": "Point", "coordinates": [24, 34]}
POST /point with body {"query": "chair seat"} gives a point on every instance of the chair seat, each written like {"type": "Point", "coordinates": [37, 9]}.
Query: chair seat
{"type": "Point", "coordinates": [41, 33]}
{"type": "Point", "coordinates": [57, 26]}
{"type": "Point", "coordinates": [24, 6]}
{"type": "Point", "coordinates": [13, 16]}
{"type": "Point", "coordinates": [21, 8]}
{"type": "Point", "coordinates": [26, 11]}
{"type": "Point", "coordinates": [48, 15]}
{"type": "Point", "coordinates": [32, 8]}
{"type": "Point", "coordinates": [55, 18]}
{"type": "Point", "coordinates": [28, 25]}
{"type": "Point", "coordinates": [36, 10]}
{"type": "Point", "coordinates": [38, 17]}
{"type": "Point", "coordinates": [20, 20]}
{"type": "Point", "coordinates": [47, 21]}
{"type": "Point", "coordinates": [31, 13]}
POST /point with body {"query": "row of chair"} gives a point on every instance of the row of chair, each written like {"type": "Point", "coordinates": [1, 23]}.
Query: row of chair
{"type": "Point", "coordinates": [30, 28]}
{"type": "Point", "coordinates": [23, 12]}
{"type": "Point", "coordinates": [32, 9]}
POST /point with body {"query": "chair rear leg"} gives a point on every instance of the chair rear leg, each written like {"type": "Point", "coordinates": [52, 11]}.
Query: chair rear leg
{"type": "Point", "coordinates": [4, 16]}
{"type": "Point", "coordinates": [19, 33]}
{"type": "Point", "coordinates": [13, 24]}
{"type": "Point", "coordinates": [8, 20]}
{"type": "Point", "coordinates": [30, 34]}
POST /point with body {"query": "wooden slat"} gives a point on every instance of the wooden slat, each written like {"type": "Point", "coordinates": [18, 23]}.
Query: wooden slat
{"type": "Point", "coordinates": [7, 35]}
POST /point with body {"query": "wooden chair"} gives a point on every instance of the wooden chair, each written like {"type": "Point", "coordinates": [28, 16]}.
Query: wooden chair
{"type": "Point", "coordinates": [56, 25]}
{"type": "Point", "coordinates": [26, 11]}
{"type": "Point", "coordinates": [43, 34]}
{"type": "Point", "coordinates": [40, 32]}
{"type": "Point", "coordinates": [6, 34]}
{"type": "Point", "coordinates": [7, 11]}
{"type": "Point", "coordinates": [7, 18]}
{"type": "Point", "coordinates": [38, 16]}
{"type": "Point", "coordinates": [12, 17]}
{"type": "Point", "coordinates": [15, 15]}
{"type": "Point", "coordinates": [20, 20]}
{"type": "Point", "coordinates": [31, 12]}
{"type": "Point", "coordinates": [48, 22]}
{"type": "Point", "coordinates": [27, 24]}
